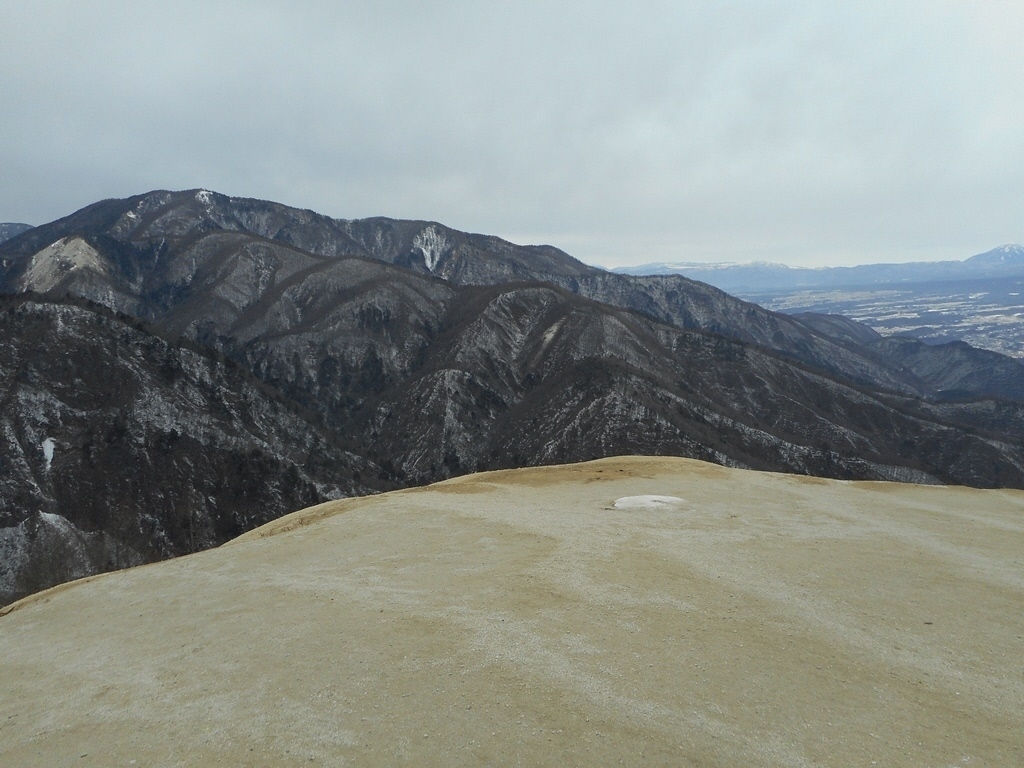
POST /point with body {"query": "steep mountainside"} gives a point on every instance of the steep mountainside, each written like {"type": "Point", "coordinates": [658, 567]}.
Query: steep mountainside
{"type": "Point", "coordinates": [272, 287]}
{"type": "Point", "coordinates": [142, 255]}
{"type": "Point", "coordinates": [696, 306]}
{"type": "Point", "coordinates": [953, 369]}
{"type": "Point", "coordinates": [956, 369]}
{"type": "Point", "coordinates": [532, 375]}
{"type": "Point", "coordinates": [119, 448]}
{"type": "Point", "coordinates": [839, 328]}
{"type": "Point", "coordinates": [433, 379]}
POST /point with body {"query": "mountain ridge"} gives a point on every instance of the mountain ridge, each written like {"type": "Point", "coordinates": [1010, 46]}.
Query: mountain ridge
{"type": "Point", "coordinates": [147, 229]}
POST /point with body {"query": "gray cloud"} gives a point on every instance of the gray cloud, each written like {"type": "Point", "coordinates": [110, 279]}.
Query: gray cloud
{"type": "Point", "coordinates": [797, 132]}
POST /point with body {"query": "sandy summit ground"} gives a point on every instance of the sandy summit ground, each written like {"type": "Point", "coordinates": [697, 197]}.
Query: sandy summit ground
{"type": "Point", "coordinates": [521, 618]}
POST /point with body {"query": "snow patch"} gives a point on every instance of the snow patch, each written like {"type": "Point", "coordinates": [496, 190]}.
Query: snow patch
{"type": "Point", "coordinates": [432, 244]}
{"type": "Point", "coordinates": [549, 335]}
{"type": "Point", "coordinates": [56, 521]}
{"type": "Point", "coordinates": [204, 196]}
{"type": "Point", "coordinates": [48, 446]}
{"type": "Point", "coordinates": [648, 502]}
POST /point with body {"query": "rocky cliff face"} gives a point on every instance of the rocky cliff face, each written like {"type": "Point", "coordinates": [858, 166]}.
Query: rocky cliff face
{"type": "Point", "coordinates": [280, 356]}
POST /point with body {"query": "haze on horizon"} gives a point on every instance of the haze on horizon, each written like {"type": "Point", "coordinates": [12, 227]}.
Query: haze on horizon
{"type": "Point", "coordinates": [805, 133]}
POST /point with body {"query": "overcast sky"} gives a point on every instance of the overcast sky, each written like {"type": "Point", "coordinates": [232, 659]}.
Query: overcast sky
{"type": "Point", "coordinates": [811, 133]}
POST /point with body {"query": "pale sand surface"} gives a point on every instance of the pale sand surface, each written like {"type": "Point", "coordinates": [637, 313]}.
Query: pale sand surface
{"type": "Point", "coordinates": [518, 618]}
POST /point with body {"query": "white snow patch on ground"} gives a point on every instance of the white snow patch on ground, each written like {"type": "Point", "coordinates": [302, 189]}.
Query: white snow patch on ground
{"type": "Point", "coordinates": [48, 446]}
{"type": "Point", "coordinates": [648, 502]}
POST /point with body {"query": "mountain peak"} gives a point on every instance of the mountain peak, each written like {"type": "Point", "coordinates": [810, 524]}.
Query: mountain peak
{"type": "Point", "coordinates": [1009, 254]}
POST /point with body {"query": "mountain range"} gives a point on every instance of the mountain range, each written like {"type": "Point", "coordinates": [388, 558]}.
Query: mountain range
{"type": "Point", "coordinates": [763, 277]}
{"type": "Point", "coordinates": [176, 360]}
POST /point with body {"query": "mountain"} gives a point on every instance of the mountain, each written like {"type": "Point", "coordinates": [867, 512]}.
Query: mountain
{"type": "Point", "coordinates": [119, 447]}
{"type": "Point", "coordinates": [8, 230]}
{"type": "Point", "coordinates": [436, 377]}
{"type": "Point", "coordinates": [406, 352]}
{"type": "Point", "coordinates": [1004, 260]}
{"type": "Point", "coordinates": [159, 222]}
{"type": "Point", "coordinates": [305, 302]}
{"type": "Point", "coordinates": [762, 277]}
{"type": "Point", "coordinates": [199, 253]}
{"type": "Point", "coordinates": [529, 374]}
{"type": "Point", "coordinates": [626, 611]}
{"type": "Point", "coordinates": [977, 300]}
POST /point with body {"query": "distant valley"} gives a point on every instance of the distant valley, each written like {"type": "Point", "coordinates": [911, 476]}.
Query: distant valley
{"type": "Point", "coordinates": [175, 360]}
{"type": "Point", "coordinates": [986, 313]}
{"type": "Point", "coordinates": [979, 300]}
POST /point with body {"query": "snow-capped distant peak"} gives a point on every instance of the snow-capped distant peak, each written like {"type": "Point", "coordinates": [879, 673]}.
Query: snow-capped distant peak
{"type": "Point", "coordinates": [1011, 253]}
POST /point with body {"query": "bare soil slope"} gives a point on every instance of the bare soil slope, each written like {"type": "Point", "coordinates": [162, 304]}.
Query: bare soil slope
{"type": "Point", "coordinates": [521, 618]}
